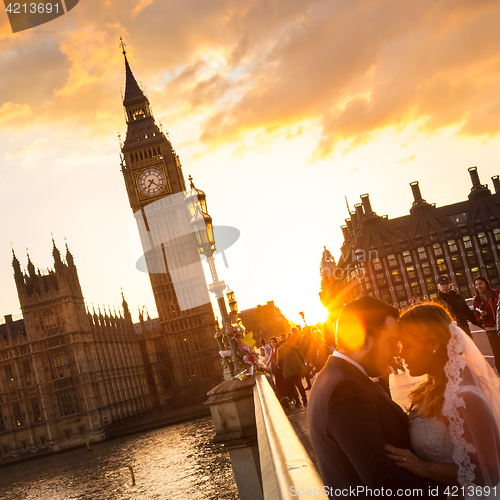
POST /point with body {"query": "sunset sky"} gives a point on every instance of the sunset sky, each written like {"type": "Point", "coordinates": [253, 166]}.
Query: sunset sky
{"type": "Point", "coordinates": [277, 108]}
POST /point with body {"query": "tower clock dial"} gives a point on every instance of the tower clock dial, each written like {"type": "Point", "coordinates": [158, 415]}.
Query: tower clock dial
{"type": "Point", "coordinates": [151, 181]}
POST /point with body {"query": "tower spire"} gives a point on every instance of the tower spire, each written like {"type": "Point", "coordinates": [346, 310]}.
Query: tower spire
{"type": "Point", "coordinates": [55, 251]}
{"type": "Point", "coordinates": [15, 263]}
{"type": "Point", "coordinates": [31, 267]}
{"type": "Point", "coordinates": [69, 256]}
{"type": "Point", "coordinates": [132, 90]}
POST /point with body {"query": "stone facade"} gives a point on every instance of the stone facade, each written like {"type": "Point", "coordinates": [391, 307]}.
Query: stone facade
{"type": "Point", "coordinates": [68, 375]}
{"type": "Point", "coordinates": [155, 186]}
{"type": "Point", "coordinates": [264, 321]}
{"type": "Point", "coordinates": [399, 260]}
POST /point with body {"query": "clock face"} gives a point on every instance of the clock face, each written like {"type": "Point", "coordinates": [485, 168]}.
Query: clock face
{"type": "Point", "coordinates": [151, 181]}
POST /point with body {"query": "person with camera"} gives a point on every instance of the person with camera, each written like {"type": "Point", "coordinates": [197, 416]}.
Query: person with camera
{"type": "Point", "coordinates": [456, 305]}
{"type": "Point", "coordinates": [485, 308]}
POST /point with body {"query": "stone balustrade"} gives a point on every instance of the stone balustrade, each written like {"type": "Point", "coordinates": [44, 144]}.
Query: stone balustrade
{"type": "Point", "coordinates": [268, 459]}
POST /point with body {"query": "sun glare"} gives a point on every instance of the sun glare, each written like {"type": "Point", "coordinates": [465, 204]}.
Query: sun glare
{"type": "Point", "coordinates": [352, 332]}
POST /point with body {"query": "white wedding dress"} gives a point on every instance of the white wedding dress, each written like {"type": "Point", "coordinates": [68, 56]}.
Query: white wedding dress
{"type": "Point", "coordinates": [431, 440]}
{"type": "Point", "coordinates": [471, 438]}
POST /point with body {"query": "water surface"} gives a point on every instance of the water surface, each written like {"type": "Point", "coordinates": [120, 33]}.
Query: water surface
{"type": "Point", "coordinates": [172, 462]}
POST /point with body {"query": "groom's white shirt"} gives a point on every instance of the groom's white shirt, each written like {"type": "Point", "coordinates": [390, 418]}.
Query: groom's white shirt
{"type": "Point", "coordinates": [338, 354]}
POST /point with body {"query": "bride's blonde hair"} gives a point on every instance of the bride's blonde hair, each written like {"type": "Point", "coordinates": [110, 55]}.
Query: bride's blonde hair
{"type": "Point", "coordinates": [430, 323]}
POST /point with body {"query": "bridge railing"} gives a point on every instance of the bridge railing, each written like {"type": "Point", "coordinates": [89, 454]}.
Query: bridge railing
{"type": "Point", "coordinates": [284, 463]}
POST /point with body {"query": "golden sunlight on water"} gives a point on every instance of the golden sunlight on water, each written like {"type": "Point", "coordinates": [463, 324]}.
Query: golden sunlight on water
{"type": "Point", "coordinates": [172, 462]}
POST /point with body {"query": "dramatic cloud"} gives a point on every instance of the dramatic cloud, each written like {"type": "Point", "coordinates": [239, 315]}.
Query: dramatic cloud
{"type": "Point", "coordinates": [351, 68]}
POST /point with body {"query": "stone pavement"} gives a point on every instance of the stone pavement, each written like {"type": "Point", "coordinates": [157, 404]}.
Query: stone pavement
{"type": "Point", "coordinates": [400, 384]}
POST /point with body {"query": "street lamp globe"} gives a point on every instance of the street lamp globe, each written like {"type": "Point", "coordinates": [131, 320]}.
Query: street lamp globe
{"type": "Point", "coordinates": [233, 305]}
{"type": "Point", "coordinates": [203, 230]}
{"type": "Point", "coordinates": [195, 199]}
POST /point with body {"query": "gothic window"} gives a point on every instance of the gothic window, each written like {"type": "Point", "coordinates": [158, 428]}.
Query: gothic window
{"type": "Point", "coordinates": [411, 272]}
{"type": "Point", "coordinates": [452, 246]}
{"type": "Point", "coordinates": [467, 242]}
{"type": "Point", "coordinates": [9, 374]}
{"type": "Point", "coordinates": [496, 234]}
{"type": "Point", "coordinates": [377, 266]}
{"type": "Point", "coordinates": [396, 276]}
{"type": "Point", "coordinates": [406, 257]}
{"type": "Point", "coordinates": [441, 265]}
{"type": "Point", "coordinates": [37, 413]}
{"type": "Point", "coordinates": [138, 113]}
{"type": "Point", "coordinates": [437, 249]}
{"type": "Point", "coordinates": [18, 417]}
{"type": "Point", "coordinates": [381, 279]}
{"type": "Point", "coordinates": [426, 268]}
{"type": "Point", "coordinates": [490, 271]}
{"type": "Point", "coordinates": [60, 365]}
{"type": "Point", "coordinates": [28, 376]}
{"type": "Point", "coordinates": [50, 321]}
{"type": "Point", "coordinates": [459, 219]}
{"type": "Point", "coordinates": [141, 155]}
{"type": "Point", "coordinates": [422, 254]}
{"type": "Point", "coordinates": [392, 260]}
{"type": "Point", "coordinates": [386, 297]}
{"type": "Point", "coordinates": [415, 288]}
{"type": "Point", "coordinates": [68, 402]}
{"type": "Point", "coordinates": [431, 286]}
{"type": "Point", "coordinates": [136, 157]}
{"type": "Point", "coordinates": [461, 278]}
{"type": "Point", "coordinates": [483, 240]}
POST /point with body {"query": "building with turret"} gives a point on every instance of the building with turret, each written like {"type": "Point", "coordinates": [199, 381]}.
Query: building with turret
{"type": "Point", "coordinates": [68, 375]}
{"type": "Point", "coordinates": [156, 190]}
{"type": "Point", "coordinates": [399, 260]}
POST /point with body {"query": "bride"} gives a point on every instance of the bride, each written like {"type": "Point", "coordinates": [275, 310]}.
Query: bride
{"type": "Point", "coordinates": [455, 413]}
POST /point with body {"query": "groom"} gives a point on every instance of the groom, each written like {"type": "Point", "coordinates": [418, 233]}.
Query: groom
{"type": "Point", "coordinates": [350, 416]}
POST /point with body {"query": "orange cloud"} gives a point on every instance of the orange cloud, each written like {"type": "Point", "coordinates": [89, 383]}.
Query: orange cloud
{"type": "Point", "coordinates": [352, 69]}
{"type": "Point", "coordinates": [12, 112]}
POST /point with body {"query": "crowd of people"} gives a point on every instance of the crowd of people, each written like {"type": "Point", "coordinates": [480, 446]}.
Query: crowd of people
{"type": "Point", "coordinates": [294, 359]}
{"type": "Point", "coordinates": [447, 443]}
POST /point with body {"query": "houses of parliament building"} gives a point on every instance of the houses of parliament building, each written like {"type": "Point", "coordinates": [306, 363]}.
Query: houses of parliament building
{"type": "Point", "coordinates": [68, 374]}
{"type": "Point", "coordinates": [399, 260]}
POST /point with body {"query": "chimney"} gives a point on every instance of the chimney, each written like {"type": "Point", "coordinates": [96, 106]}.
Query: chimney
{"type": "Point", "coordinates": [474, 177]}
{"type": "Point", "coordinates": [417, 195]}
{"type": "Point", "coordinates": [8, 321]}
{"type": "Point", "coordinates": [496, 184]}
{"type": "Point", "coordinates": [359, 211]}
{"type": "Point", "coordinates": [348, 223]}
{"type": "Point", "coordinates": [365, 200]}
{"type": "Point", "coordinates": [345, 232]}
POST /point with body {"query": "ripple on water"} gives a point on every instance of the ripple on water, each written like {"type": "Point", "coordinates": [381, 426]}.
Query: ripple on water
{"type": "Point", "coordinates": [172, 462]}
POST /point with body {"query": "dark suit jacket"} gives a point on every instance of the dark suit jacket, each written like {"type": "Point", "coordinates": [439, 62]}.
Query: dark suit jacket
{"type": "Point", "coordinates": [350, 420]}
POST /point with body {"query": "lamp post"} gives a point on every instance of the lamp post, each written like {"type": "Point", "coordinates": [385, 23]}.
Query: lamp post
{"type": "Point", "coordinates": [233, 306]}
{"type": "Point", "coordinates": [202, 226]}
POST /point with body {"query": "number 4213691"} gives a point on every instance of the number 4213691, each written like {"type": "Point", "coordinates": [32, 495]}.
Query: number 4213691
{"type": "Point", "coordinates": [32, 8]}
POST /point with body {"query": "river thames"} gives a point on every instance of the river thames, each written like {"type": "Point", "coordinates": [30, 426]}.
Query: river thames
{"type": "Point", "coordinates": [179, 461]}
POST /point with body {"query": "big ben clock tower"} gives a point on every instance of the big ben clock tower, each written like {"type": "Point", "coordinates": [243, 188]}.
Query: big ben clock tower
{"type": "Point", "coordinates": [155, 187]}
